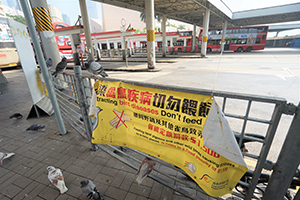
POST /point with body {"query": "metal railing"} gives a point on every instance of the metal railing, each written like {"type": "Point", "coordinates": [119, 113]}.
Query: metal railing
{"type": "Point", "coordinates": [75, 97]}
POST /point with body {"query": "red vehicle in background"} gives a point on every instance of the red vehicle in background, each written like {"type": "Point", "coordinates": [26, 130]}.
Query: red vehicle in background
{"type": "Point", "coordinates": [179, 44]}
{"type": "Point", "coordinates": [237, 39]}
{"type": "Point", "coordinates": [63, 41]}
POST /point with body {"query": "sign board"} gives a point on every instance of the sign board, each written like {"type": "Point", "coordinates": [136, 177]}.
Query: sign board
{"type": "Point", "coordinates": [32, 75]}
{"type": "Point", "coordinates": [172, 126]}
{"type": "Point", "coordinates": [123, 22]}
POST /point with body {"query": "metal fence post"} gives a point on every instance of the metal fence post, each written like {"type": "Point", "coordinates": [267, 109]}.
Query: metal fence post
{"type": "Point", "coordinates": [43, 66]}
{"type": "Point", "coordinates": [84, 106]}
{"type": "Point", "coordinates": [287, 163]}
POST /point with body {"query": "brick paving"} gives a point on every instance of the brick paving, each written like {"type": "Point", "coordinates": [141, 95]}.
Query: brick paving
{"type": "Point", "coordinates": [24, 176]}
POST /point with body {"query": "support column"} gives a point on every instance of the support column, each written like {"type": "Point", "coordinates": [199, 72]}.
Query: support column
{"type": "Point", "coordinates": [97, 48]}
{"type": "Point", "coordinates": [149, 8]}
{"type": "Point", "coordinates": [73, 38]}
{"type": "Point", "coordinates": [108, 48]}
{"type": "Point", "coordinates": [205, 32]}
{"type": "Point", "coordinates": [194, 39]}
{"type": "Point", "coordinates": [123, 44]}
{"type": "Point", "coordinates": [171, 46]}
{"type": "Point", "coordinates": [164, 32]}
{"type": "Point", "coordinates": [224, 28]}
{"type": "Point", "coordinates": [184, 45]}
{"type": "Point", "coordinates": [42, 17]}
{"type": "Point", "coordinates": [274, 43]}
{"type": "Point", "coordinates": [86, 27]}
{"type": "Point", "coordinates": [128, 47]}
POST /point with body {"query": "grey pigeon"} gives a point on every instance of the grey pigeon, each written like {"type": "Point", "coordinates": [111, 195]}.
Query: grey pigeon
{"type": "Point", "coordinates": [35, 127]}
{"type": "Point", "coordinates": [145, 169]}
{"type": "Point", "coordinates": [4, 156]}
{"type": "Point", "coordinates": [94, 68]}
{"type": "Point", "coordinates": [16, 115]}
{"type": "Point", "coordinates": [60, 67]}
{"type": "Point", "coordinates": [89, 189]}
{"type": "Point", "coordinates": [49, 63]}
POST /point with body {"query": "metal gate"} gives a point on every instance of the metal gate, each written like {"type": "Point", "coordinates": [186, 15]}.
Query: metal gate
{"type": "Point", "coordinates": [75, 97]}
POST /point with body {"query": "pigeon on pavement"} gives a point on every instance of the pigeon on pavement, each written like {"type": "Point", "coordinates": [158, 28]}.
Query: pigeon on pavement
{"type": "Point", "coordinates": [146, 167]}
{"type": "Point", "coordinates": [55, 176]}
{"type": "Point", "coordinates": [94, 68]}
{"type": "Point", "coordinates": [89, 189]}
{"type": "Point", "coordinates": [4, 156]}
{"type": "Point", "coordinates": [16, 115]}
{"type": "Point", "coordinates": [60, 67]}
{"type": "Point", "coordinates": [35, 127]}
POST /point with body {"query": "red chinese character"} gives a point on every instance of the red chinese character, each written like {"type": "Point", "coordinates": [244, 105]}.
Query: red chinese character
{"type": "Point", "coordinates": [111, 92]}
{"type": "Point", "coordinates": [150, 126]}
{"type": "Point", "coordinates": [162, 131]}
{"type": "Point", "coordinates": [156, 128]}
{"type": "Point", "coordinates": [133, 95]}
{"type": "Point", "coordinates": [184, 137]}
{"type": "Point", "coordinates": [169, 134]}
{"type": "Point", "coordinates": [177, 136]}
{"type": "Point", "coordinates": [121, 93]}
{"type": "Point", "coordinates": [146, 98]}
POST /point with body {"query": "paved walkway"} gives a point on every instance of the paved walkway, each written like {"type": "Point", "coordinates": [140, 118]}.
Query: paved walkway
{"type": "Point", "coordinates": [24, 176]}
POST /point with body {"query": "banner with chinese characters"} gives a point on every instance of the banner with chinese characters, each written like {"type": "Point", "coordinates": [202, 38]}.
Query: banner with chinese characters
{"type": "Point", "coordinates": [168, 125]}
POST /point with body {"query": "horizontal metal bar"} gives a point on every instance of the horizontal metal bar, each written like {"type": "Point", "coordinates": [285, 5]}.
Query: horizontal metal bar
{"type": "Point", "coordinates": [249, 118]}
{"type": "Point", "coordinates": [250, 155]}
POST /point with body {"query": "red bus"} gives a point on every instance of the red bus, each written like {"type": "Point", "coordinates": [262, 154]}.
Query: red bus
{"type": "Point", "coordinates": [63, 41]}
{"type": "Point", "coordinates": [179, 44]}
{"type": "Point", "coordinates": [237, 39]}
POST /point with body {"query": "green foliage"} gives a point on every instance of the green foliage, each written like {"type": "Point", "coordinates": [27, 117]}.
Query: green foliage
{"type": "Point", "coordinates": [180, 27]}
{"type": "Point", "coordinates": [144, 30]}
{"type": "Point", "coordinates": [137, 31]}
{"type": "Point", "coordinates": [17, 18]}
{"type": "Point", "coordinates": [143, 17]}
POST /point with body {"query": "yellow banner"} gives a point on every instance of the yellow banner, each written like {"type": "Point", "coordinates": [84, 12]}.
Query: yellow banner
{"type": "Point", "coordinates": [165, 124]}
{"type": "Point", "coordinates": [204, 38]}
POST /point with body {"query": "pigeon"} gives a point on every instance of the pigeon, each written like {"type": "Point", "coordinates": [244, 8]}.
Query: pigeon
{"type": "Point", "coordinates": [60, 67]}
{"type": "Point", "coordinates": [35, 127]}
{"type": "Point", "coordinates": [56, 178]}
{"type": "Point", "coordinates": [49, 63]}
{"type": "Point", "coordinates": [16, 115]}
{"type": "Point", "coordinates": [94, 68]}
{"type": "Point", "coordinates": [4, 156]}
{"type": "Point", "coordinates": [89, 189]}
{"type": "Point", "coordinates": [146, 167]}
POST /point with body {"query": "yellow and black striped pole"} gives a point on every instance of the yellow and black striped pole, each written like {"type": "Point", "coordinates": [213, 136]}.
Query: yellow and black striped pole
{"type": "Point", "coordinates": [44, 26]}
{"type": "Point", "coordinates": [149, 10]}
{"type": "Point", "coordinates": [42, 18]}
